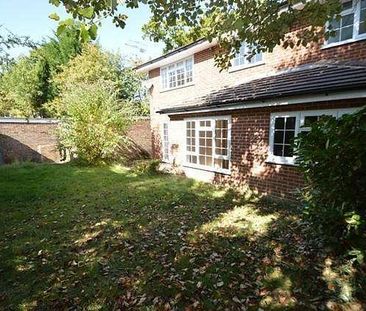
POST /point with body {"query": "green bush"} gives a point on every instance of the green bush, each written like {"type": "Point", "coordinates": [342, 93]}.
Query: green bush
{"type": "Point", "coordinates": [332, 157]}
{"type": "Point", "coordinates": [145, 166]}
{"type": "Point", "coordinates": [93, 124]}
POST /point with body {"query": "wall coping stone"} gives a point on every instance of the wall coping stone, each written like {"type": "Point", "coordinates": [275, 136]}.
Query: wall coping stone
{"type": "Point", "coordinates": [29, 121]}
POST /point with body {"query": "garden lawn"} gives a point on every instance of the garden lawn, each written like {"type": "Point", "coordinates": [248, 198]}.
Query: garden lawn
{"type": "Point", "coordinates": [106, 238]}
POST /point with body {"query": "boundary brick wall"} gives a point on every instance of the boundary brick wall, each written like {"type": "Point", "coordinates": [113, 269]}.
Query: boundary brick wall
{"type": "Point", "coordinates": [33, 140]}
{"type": "Point", "coordinates": [36, 141]}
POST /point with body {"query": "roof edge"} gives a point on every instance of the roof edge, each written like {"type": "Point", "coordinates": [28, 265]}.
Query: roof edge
{"type": "Point", "coordinates": [284, 101]}
{"type": "Point", "coordinates": [179, 53]}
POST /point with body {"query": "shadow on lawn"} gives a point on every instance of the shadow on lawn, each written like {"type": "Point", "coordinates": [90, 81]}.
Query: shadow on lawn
{"type": "Point", "coordinates": [108, 239]}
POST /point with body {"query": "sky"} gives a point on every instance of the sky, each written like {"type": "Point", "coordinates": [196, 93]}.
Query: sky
{"type": "Point", "coordinates": [30, 18]}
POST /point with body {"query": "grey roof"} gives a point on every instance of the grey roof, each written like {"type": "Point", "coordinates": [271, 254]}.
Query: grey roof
{"type": "Point", "coordinates": [315, 79]}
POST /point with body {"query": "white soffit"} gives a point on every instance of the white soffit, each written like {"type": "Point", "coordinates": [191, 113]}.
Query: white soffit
{"type": "Point", "coordinates": [168, 59]}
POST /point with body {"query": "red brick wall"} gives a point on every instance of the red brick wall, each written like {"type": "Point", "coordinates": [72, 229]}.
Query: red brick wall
{"type": "Point", "coordinates": [140, 133]}
{"type": "Point", "coordinates": [38, 142]}
{"type": "Point", "coordinates": [28, 142]}
{"type": "Point", "coordinates": [249, 146]}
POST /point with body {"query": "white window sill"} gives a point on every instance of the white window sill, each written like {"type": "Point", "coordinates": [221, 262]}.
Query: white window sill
{"type": "Point", "coordinates": [242, 67]}
{"type": "Point", "coordinates": [281, 161]}
{"type": "Point", "coordinates": [332, 45]}
{"type": "Point", "coordinates": [177, 87]}
{"type": "Point", "coordinates": [206, 168]}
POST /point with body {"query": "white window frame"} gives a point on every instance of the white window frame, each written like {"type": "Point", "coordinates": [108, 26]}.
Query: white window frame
{"type": "Point", "coordinates": [246, 64]}
{"type": "Point", "coordinates": [356, 10]}
{"type": "Point", "coordinates": [167, 88]}
{"type": "Point", "coordinates": [165, 156]}
{"type": "Point", "coordinates": [300, 118]}
{"type": "Point", "coordinates": [279, 159]}
{"type": "Point", "coordinates": [214, 155]}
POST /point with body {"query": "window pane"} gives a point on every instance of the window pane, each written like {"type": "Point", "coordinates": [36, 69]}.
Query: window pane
{"type": "Point", "coordinates": [335, 24]}
{"type": "Point", "coordinates": [347, 20]}
{"type": "Point", "coordinates": [288, 152]}
{"type": "Point", "coordinates": [280, 123]}
{"type": "Point", "coordinates": [222, 164]}
{"type": "Point", "coordinates": [346, 5]}
{"type": "Point", "coordinates": [347, 33]}
{"type": "Point", "coordinates": [258, 57]}
{"type": "Point", "coordinates": [278, 137]}
{"type": "Point", "coordinates": [362, 28]}
{"type": "Point", "coordinates": [335, 37]}
{"type": "Point", "coordinates": [290, 123]}
{"type": "Point", "coordinates": [289, 137]}
{"type": "Point", "coordinates": [277, 150]}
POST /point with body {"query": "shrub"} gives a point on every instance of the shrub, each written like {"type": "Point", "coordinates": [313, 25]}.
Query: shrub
{"type": "Point", "coordinates": [332, 157]}
{"type": "Point", "coordinates": [93, 124]}
{"type": "Point", "coordinates": [145, 166]}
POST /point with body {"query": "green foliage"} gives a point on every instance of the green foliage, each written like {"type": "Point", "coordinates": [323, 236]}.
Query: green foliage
{"type": "Point", "coordinates": [174, 36]}
{"type": "Point", "coordinates": [94, 66]}
{"type": "Point", "coordinates": [93, 124]}
{"type": "Point", "coordinates": [146, 166]}
{"type": "Point", "coordinates": [264, 24]}
{"type": "Point", "coordinates": [27, 84]}
{"type": "Point", "coordinates": [9, 40]}
{"type": "Point", "coordinates": [332, 157]}
{"type": "Point", "coordinates": [24, 88]}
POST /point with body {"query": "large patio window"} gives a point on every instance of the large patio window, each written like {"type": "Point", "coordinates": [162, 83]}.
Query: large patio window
{"type": "Point", "coordinates": [208, 143]}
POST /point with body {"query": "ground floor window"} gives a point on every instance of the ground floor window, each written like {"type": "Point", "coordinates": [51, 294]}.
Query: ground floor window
{"type": "Point", "coordinates": [165, 142]}
{"type": "Point", "coordinates": [208, 143]}
{"type": "Point", "coordinates": [285, 126]}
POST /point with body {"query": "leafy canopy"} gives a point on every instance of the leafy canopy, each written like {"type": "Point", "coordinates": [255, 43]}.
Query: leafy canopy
{"type": "Point", "coordinates": [9, 40]}
{"type": "Point", "coordinates": [263, 24]}
{"type": "Point", "coordinates": [26, 84]}
{"type": "Point", "coordinates": [95, 66]}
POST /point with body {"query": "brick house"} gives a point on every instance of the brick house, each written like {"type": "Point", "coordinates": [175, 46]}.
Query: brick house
{"type": "Point", "coordinates": [236, 126]}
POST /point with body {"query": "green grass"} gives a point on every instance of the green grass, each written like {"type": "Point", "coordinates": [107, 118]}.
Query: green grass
{"type": "Point", "coordinates": [106, 238]}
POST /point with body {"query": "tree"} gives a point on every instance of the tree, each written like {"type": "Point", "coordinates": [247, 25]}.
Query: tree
{"type": "Point", "coordinates": [93, 124]}
{"type": "Point", "coordinates": [8, 41]}
{"type": "Point", "coordinates": [24, 88]}
{"type": "Point", "coordinates": [26, 84]}
{"type": "Point", "coordinates": [263, 24]}
{"type": "Point", "coordinates": [173, 36]}
{"type": "Point", "coordinates": [95, 66]}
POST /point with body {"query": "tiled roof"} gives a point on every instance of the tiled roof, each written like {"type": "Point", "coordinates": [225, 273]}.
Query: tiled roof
{"type": "Point", "coordinates": [314, 79]}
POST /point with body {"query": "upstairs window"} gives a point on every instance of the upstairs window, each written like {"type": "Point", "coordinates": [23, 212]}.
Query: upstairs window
{"type": "Point", "coordinates": [243, 59]}
{"type": "Point", "coordinates": [177, 75]}
{"type": "Point", "coordinates": [351, 25]}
